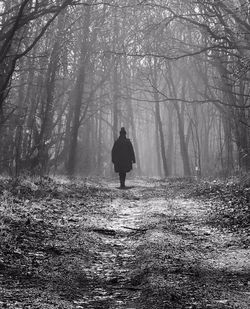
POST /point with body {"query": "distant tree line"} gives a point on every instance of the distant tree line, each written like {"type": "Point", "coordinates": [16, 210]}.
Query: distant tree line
{"type": "Point", "coordinates": [176, 74]}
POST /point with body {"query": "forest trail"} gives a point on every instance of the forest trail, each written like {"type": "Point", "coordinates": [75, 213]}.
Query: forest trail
{"type": "Point", "coordinates": [136, 248]}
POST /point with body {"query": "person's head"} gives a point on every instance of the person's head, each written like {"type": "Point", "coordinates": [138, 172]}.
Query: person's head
{"type": "Point", "coordinates": [123, 132]}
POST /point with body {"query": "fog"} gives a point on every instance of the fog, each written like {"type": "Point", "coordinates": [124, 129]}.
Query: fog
{"type": "Point", "coordinates": [175, 74]}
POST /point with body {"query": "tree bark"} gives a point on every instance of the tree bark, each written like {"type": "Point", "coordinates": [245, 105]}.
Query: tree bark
{"type": "Point", "coordinates": [78, 91]}
{"type": "Point", "coordinates": [180, 119]}
{"type": "Point", "coordinates": [183, 146]}
{"type": "Point", "coordinates": [161, 135]}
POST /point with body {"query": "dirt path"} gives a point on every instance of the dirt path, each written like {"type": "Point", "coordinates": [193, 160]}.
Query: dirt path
{"type": "Point", "coordinates": [137, 248]}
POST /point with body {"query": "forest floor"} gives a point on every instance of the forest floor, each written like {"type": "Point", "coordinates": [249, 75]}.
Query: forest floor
{"type": "Point", "coordinates": [176, 243]}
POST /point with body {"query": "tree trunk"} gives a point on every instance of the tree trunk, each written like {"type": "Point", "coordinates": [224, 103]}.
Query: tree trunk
{"type": "Point", "coordinates": [161, 135]}
{"type": "Point", "coordinates": [99, 145]}
{"type": "Point", "coordinates": [239, 117]}
{"type": "Point", "coordinates": [20, 122]}
{"type": "Point", "coordinates": [180, 119]}
{"type": "Point", "coordinates": [115, 100]}
{"type": "Point", "coordinates": [228, 140]}
{"type": "Point", "coordinates": [78, 97]}
{"type": "Point", "coordinates": [115, 84]}
{"type": "Point", "coordinates": [170, 147]}
{"type": "Point", "coordinates": [158, 118]}
{"type": "Point", "coordinates": [133, 128]}
{"type": "Point", "coordinates": [183, 145]}
{"type": "Point", "coordinates": [158, 147]}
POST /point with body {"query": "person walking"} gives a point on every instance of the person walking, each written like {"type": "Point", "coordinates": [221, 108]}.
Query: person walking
{"type": "Point", "coordinates": [123, 156]}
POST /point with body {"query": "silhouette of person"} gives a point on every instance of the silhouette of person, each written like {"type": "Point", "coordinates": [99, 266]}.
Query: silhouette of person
{"type": "Point", "coordinates": [123, 156]}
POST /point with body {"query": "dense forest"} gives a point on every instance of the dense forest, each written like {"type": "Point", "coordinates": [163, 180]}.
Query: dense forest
{"type": "Point", "coordinates": [174, 73]}
{"type": "Point", "coordinates": [89, 88]}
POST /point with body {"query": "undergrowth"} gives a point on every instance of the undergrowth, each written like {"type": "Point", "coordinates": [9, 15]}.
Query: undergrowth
{"type": "Point", "coordinates": [229, 199]}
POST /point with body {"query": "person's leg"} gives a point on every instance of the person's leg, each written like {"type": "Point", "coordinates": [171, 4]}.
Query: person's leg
{"type": "Point", "coordinates": [122, 177]}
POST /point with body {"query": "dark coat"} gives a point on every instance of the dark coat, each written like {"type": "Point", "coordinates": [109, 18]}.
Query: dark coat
{"type": "Point", "coordinates": [123, 155]}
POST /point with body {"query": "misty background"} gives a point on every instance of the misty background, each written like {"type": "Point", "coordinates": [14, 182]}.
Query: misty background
{"type": "Point", "coordinates": [174, 73]}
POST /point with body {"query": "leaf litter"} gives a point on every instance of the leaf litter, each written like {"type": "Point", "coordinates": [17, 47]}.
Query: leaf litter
{"type": "Point", "coordinates": [160, 244]}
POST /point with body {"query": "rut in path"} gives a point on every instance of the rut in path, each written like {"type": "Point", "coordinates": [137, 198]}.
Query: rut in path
{"type": "Point", "coordinates": [140, 248]}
